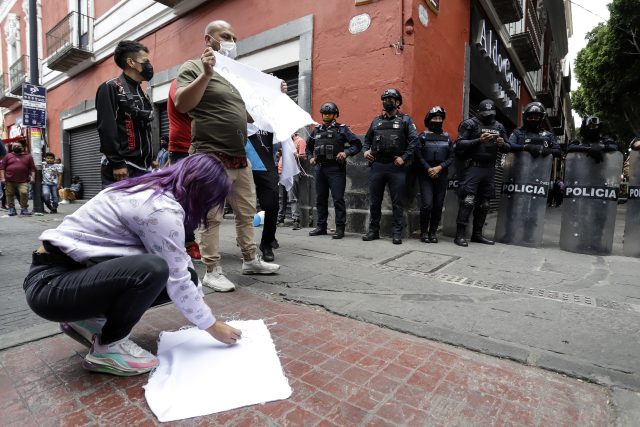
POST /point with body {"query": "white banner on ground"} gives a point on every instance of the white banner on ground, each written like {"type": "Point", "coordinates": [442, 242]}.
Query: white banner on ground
{"type": "Point", "coordinates": [272, 110]}
{"type": "Point", "coordinates": [198, 375]}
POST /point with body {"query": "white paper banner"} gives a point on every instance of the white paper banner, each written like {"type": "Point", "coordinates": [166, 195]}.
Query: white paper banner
{"type": "Point", "coordinates": [198, 375]}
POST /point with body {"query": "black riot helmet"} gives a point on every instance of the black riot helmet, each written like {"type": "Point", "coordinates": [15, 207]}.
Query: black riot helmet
{"type": "Point", "coordinates": [392, 93]}
{"type": "Point", "coordinates": [330, 108]}
{"type": "Point", "coordinates": [435, 111]}
{"type": "Point", "coordinates": [533, 108]}
{"type": "Point", "coordinates": [591, 128]}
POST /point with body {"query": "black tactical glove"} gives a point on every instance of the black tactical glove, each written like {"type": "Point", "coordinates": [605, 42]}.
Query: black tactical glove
{"type": "Point", "coordinates": [534, 149]}
{"type": "Point", "coordinates": [595, 152]}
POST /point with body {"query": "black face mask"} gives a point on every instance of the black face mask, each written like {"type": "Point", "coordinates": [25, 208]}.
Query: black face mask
{"type": "Point", "coordinates": [388, 105]}
{"type": "Point", "coordinates": [591, 134]}
{"type": "Point", "coordinates": [435, 127]}
{"type": "Point", "coordinates": [488, 120]}
{"type": "Point", "coordinates": [531, 125]}
{"type": "Point", "coordinates": [147, 71]}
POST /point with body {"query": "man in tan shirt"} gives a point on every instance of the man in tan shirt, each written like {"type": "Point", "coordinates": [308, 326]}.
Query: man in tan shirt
{"type": "Point", "coordinates": [219, 127]}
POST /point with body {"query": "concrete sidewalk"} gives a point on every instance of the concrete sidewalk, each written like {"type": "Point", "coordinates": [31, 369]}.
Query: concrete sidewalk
{"type": "Point", "coordinates": [343, 373]}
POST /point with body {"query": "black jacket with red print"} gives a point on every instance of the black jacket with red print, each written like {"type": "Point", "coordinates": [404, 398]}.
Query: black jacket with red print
{"type": "Point", "coordinates": [125, 137]}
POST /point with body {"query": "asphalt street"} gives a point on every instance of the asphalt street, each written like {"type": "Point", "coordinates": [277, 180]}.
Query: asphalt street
{"type": "Point", "coordinates": [570, 313]}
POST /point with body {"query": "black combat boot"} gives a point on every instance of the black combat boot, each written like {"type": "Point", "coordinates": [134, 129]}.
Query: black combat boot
{"type": "Point", "coordinates": [479, 217]}
{"type": "Point", "coordinates": [460, 239]}
{"type": "Point", "coordinates": [339, 234]}
{"type": "Point", "coordinates": [371, 235]}
{"type": "Point", "coordinates": [477, 237]}
{"type": "Point", "coordinates": [397, 240]}
{"type": "Point", "coordinates": [433, 235]}
{"type": "Point", "coordinates": [318, 231]}
{"type": "Point", "coordinates": [424, 237]}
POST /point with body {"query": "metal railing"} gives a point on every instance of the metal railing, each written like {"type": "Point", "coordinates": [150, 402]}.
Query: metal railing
{"type": "Point", "coordinates": [74, 31]}
{"type": "Point", "coordinates": [18, 72]}
{"type": "Point", "coordinates": [529, 23]}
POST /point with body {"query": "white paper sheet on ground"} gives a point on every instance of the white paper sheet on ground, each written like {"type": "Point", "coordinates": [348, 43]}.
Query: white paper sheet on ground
{"type": "Point", "coordinates": [198, 375]}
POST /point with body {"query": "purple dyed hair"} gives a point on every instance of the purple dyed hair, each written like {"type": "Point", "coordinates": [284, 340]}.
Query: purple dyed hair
{"type": "Point", "coordinates": [199, 183]}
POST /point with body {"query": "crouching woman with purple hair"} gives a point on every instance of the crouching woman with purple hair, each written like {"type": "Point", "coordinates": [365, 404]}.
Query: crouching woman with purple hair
{"type": "Point", "coordinates": [123, 252]}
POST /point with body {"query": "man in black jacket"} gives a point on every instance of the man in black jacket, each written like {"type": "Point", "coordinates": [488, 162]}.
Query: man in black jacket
{"type": "Point", "coordinates": [125, 115]}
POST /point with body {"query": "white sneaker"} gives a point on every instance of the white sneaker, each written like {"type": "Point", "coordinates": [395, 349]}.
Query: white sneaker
{"type": "Point", "coordinates": [258, 266]}
{"type": "Point", "coordinates": [217, 281]}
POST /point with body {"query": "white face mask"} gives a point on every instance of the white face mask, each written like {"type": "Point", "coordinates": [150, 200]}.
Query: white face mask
{"type": "Point", "coordinates": [228, 49]}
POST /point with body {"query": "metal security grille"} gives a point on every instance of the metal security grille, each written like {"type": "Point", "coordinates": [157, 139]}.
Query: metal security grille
{"type": "Point", "coordinates": [84, 145]}
{"type": "Point", "coordinates": [164, 118]}
{"type": "Point", "coordinates": [289, 75]}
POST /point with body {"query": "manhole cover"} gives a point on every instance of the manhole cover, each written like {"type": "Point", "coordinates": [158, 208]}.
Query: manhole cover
{"type": "Point", "coordinates": [425, 262]}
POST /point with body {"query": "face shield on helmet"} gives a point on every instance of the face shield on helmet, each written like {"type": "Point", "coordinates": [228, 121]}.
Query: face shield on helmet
{"type": "Point", "coordinates": [591, 128]}
{"type": "Point", "coordinates": [533, 115]}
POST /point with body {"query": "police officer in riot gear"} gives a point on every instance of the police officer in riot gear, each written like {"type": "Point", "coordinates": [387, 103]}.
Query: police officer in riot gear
{"type": "Point", "coordinates": [593, 142]}
{"type": "Point", "coordinates": [479, 141]}
{"type": "Point", "coordinates": [389, 146]}
{"type": "Point", "coordinates": [434, 155]}
{"type": "Point", "coordinates": [531, 137]}
{"type": "Point", "coordinates": [326, 151]}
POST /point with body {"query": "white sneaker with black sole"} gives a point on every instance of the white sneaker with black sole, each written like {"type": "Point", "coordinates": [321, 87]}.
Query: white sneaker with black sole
{"type": "Point", "coordinates": [217, 281]}
{"type": "Point", "coordinates": [258, 266]}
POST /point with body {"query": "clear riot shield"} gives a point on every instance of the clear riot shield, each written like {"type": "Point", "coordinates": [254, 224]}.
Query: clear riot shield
{"type": "Point", "coordinates": [450, 204]}
{"type": "Point", "coordinates": [524, 199]}
{"type": "Point", "coordinates": [590, 203]}
{"type": "Point", "coordinates": [632, 224]}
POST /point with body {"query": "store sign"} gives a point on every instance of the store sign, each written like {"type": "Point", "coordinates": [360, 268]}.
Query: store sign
{"type": "Point", "coordinates": [488, 44]}
{"type": "Point", "coordinates": [359, 23]}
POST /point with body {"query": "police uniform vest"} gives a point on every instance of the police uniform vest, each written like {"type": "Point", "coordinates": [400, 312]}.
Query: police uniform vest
{"type": "Point", "coordinates": [328, 143]}
{"type": "Point", "coordinates": [541, 137]}
{"type": "Point", "coordinates": [436, 147]}
{"type": "Point", "coordinates": [389, 139]}
{"type": "Point", "coordinates": [485, 153]}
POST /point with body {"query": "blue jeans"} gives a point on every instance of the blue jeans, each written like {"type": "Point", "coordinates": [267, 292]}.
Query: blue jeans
{"type": "Point", "coordinates": [50, 195]}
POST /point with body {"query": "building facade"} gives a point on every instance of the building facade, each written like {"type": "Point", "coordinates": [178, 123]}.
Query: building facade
{"type": "Point", "coordinates": [452, 54]}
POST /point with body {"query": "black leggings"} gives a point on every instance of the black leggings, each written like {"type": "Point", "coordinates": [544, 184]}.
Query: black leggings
{"type": "Point", "coordinates": [120, 289]}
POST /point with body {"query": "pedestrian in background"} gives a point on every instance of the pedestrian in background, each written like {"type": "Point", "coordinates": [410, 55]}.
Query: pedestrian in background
{"type": "Point", "coordinates": [179, 143]}
{"type": "Point", "coordinates": [163, 155]}
{"type": "Point", "coordinates": [265, 177]}
{"type": "Point", "coordinates": [73, 193]}
{"type": "Point", "coordinates": [290, 197]}
{"type": "Point", "coordinates": [51, 181]}
{"type": "Point", "coordinates": [125, 115]}
{"type": "Point", "coordinates": [123, 252]}
{"type": "Point", "coordinates": [17, 171]}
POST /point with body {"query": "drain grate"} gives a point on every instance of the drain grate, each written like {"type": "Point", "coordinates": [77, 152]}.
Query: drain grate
{"type": "Point", "coordinates": [501, 287]}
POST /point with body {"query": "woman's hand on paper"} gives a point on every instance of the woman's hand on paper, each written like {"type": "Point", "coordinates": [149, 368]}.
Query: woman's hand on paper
{"type": "Point", "coordinates": [224, 333]}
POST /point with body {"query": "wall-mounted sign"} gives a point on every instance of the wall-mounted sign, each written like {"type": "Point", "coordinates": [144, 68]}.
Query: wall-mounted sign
{"type": "Point", "coordinates": [487, 42]}
{"type": "Point", "coordinates": [434, 5]}
{"type": "Point", "coordinates": [423, 15]}
{"type": "Point", "coordinates": [359, 23]}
